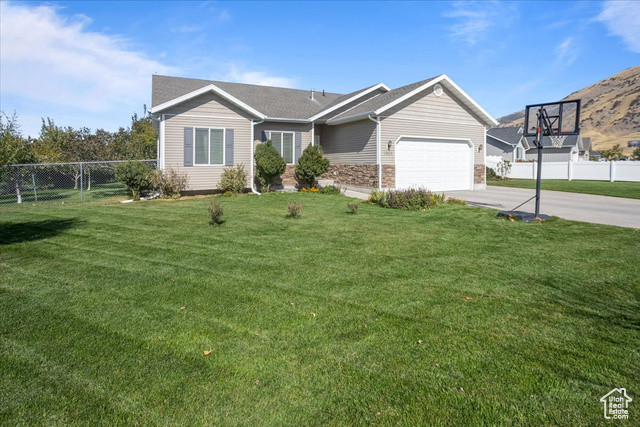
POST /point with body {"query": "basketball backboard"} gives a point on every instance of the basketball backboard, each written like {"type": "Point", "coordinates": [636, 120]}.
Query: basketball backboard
{"type": "Point", "coordinates": [560, 118]}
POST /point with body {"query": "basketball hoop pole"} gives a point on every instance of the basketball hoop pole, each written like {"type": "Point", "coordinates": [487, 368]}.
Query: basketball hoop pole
{"type": "Point", "coordinates": [539, 135]}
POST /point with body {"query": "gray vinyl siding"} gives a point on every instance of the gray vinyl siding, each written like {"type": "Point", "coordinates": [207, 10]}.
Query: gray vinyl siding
{"type": "Point", "coordinates": [207, 110]}
{"type": "Point", "coordinates": [497, 148]}
{"type": "Point", "coordinates": [303, 128]}
{"type": "Point", "coordinates": [350, 143]}
{"type": "Point", "coordinates": [430, 116]}
{"type": "Point", "coordinates": [351, 104]}
{"type": "Point", "coordinates": [550, 154]}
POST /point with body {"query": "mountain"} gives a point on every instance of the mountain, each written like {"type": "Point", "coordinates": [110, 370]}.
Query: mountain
{"type": "Point", "coordinates": [610, 111]}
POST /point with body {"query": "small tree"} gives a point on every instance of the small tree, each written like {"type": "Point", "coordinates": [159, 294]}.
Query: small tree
{"type": "Point", "coordinates": [503, 168]}
{"type": "Point", "coordinates": [613, 153]}
{"type": "Point", "coordinates": [311, 164]}
{"type": "Point", "coordinates": [636, 154]}
{"type": "Point", "coordinates": [269, 164]}
{"type": "Point", "coordinates": [135, 175]}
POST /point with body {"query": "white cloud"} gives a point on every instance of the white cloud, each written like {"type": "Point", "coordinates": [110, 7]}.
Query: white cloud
{"type": "Point", "coordinates": [622, 18]}
{"type": "Point", "coordinates": [475, 19]}
{"type": "Point", "coordinates": [257, 78]}
{"type": "Point", "coordinates": [56, 61]}
{"type": "Point", "coordinates": [566, 52]}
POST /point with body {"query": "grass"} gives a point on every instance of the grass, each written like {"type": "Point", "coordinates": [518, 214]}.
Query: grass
{"type": "Point", "coordinates": [63, 194]}
{"type": "Point", "coordinates": [630, 190]}
{"type": "Point", "coordinates": [443, 317]}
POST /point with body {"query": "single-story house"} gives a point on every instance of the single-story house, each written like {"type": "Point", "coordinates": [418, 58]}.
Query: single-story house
{"type": "Point", "coordinates": [510, 144]}
{"type": "Point", "coordinates": [426, 134]}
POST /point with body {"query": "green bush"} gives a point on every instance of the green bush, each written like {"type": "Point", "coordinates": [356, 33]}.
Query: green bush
{"type": "Point", "coordinates": [269, 164]}
{"type": "Point", "coordinates": [491, 174]}
{"type": "Point", "coordinates": [311, 164]}
{"type": "Point", "coordinates": [412, 198]}
{"type": "Point", "coordinates": [294, 210]}
{"type": "Point", "coordinates": [233, 179]}
{"type": "Point", "coordinates": [169, 183]}
{"type": "Point", "coordinates": [353, 207]}
{"type": "Point", "coordinates": [215, 213]}
{"type": "Point", "coordinates": [135, 175]}
{"type": "Point", "coordinates": [331, 189]}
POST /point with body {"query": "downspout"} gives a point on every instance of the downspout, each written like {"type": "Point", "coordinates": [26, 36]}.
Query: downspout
{"type": "Point", "coordinates": [253, 190]}
{"type": "Point", "coordinates": [378, 157]}
{"type": "Point", "coordinates": [313, 132]}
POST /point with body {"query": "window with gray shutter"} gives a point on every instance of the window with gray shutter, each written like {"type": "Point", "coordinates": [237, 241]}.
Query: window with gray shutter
{"type": "Point", "coordinates": [228, 149]}
{"type": "Point", "coordinates": [188, 146]}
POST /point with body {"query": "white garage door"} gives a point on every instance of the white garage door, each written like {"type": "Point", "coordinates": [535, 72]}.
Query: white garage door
{"type": "Point", "coordinates": [435, 165]}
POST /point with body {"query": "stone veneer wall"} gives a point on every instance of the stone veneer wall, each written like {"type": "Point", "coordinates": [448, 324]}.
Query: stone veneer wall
{"type": "Point", "coordinates": [358, 175]}
{"type": "Point", "coordinates": [479, 172]}
{"type": "Point", "coordinates": [389, 176]}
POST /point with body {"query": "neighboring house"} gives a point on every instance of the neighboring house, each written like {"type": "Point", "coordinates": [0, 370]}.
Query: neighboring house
{"type": "Point", "coordinates": [510, 144]}
{"type": "Point", "coordinates": [507, 143]}
{"type": "Point", "coordinates": [429, 133]}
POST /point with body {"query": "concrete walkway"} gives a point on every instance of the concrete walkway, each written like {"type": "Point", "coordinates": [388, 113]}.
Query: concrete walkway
{"type": "Point", "coordinates": [575, 206]}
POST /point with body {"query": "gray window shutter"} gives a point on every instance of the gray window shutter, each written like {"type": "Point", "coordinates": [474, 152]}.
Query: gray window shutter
{"type": "Point", "coordinates": [264, 136]}
{"type": "Point", "coordinates": [298, 151]}
{"type": "Point", "coordinates": [188, 146]}
{"type": "Point", "coordinates": [228, 147]}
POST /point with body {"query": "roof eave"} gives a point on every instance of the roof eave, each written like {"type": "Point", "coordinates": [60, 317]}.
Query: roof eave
{"type": "Point", "coordinates": [347, 101]}
{"type": "Point", "coordinates": [203, 90]}
{"type": "Point", "coordinates": [350, 119]}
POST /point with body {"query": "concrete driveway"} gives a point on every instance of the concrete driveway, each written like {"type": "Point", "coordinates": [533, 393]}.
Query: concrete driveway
{"type": "Point", "coordinates": [575, 206]}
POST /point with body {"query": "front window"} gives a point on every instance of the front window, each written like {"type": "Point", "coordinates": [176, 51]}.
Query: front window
{"type": "Point", "coordinates": [519, 153]}
{"type": "Point", "coordinates": [283, 142]}
{"type": "Point", "coordinates": [209, 146]}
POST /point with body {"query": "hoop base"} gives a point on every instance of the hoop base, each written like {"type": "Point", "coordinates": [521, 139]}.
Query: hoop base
{"type": "Point", "coordinates": [522, 216]}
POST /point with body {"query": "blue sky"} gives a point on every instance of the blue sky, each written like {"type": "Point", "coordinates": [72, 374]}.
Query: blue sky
{"type": "Point", "coordinates": [90, 63]}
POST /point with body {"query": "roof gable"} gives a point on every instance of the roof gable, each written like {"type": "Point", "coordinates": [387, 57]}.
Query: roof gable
{"type": "Point", "coordinates": [384, 102]}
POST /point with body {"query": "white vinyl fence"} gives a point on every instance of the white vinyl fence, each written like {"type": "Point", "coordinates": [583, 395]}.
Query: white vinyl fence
{"type": "Point", "coordinates": [592, 171]}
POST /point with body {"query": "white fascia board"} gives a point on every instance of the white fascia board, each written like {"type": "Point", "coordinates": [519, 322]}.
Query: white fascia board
{"type": "Point", "coordinates": [462, 95]}
{"type": "Point", "coordinates": [349, 119]}
{"type": "Point", "coordinates": [469, 101]}
{"type": "Point", "coordinates": [409, 95]}
{"type": "Point", "coordinates": [347, 101]}
{"type": "Point", "coordinates": [501, 140]}
{"type": "Point", "coordinates": [208, 88]}
{"type": "Point", "coordinates": [285, 119]}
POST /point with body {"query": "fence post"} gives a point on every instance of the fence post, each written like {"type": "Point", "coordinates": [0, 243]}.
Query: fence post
{"type": "Point", "coordinates": [81, 184]}
{"type": "Point", "coordinates": [570, 170]}
{"type": "Point", "coordinates": [612, 171]}
{"type": "Point", "coordinates": [33, 181]}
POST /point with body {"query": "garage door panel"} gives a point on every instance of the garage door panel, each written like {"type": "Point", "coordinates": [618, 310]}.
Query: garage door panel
{"type": "Point", "coordinates": [435, 165]}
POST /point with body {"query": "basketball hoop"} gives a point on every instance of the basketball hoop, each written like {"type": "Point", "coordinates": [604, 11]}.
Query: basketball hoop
{"type": "Point", "coordinates": [557, 140]}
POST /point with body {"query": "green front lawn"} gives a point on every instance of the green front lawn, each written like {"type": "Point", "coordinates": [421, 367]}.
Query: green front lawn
{"type": "Point", "coordinates": [444, 317]}
{"type": "Point", "coordinates": [630, 190]}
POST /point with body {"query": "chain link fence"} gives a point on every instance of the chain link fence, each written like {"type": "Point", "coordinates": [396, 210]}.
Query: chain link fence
{"type": "Point", "coordinates": [61, 182]}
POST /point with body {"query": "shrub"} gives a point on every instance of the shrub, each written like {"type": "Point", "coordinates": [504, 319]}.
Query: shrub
{"type": "Point", "coordinates": [353, 207]}
{"type": "Point", "coordinates": [491, 174]}
{"type": "Point", "coordinates": [233, 179]}
{"type": "Point", "coordinates": [169, 183]}
{"type": "Point", "coordinates": [215, 213]}
{"type": "Point", "coordinates": [294, 210]}
{"type": "Point", "coordinates": [135, 175]}
{"type": "Point", "coordinates": [331, 189]}
{"type": "Point", "coordinates": [311, 164]}
{"type": "Point", "coordinates": [376, 196]}
{"type": "Point", "coordinates": [269, 164]}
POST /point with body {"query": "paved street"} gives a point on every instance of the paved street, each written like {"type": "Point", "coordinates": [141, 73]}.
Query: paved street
{"type": "Point", "coordinates": [575, 206]}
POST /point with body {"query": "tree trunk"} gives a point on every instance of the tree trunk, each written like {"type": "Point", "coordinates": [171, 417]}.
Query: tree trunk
{"type": "Point", "coordinates": [16, 176]}
{"type": "Point", "coordinates": [88, 169]}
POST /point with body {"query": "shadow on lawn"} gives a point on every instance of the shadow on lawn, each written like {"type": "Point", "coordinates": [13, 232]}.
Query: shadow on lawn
{"type": "Point", "coordinates": [34, 230]}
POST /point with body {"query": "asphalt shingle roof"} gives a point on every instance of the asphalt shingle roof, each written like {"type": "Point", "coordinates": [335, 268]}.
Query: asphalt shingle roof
{"type": "Point", "coordinates": [381, 100]}
{"type": "Point", "coordinates": [271, 101]}
{"type": "Point", "coordinates": [509, 134]}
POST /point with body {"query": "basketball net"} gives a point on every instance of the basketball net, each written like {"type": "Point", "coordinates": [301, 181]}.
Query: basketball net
{"type": "Point", "coordinates": [557, 140]}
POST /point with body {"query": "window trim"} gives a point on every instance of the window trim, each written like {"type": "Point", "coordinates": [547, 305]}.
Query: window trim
{"type": "Point", "coordinates": [224, 146]}
{"type": "Point", "coordinates": [293, 144]}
